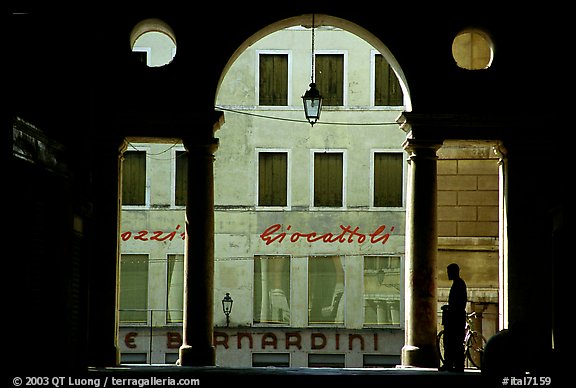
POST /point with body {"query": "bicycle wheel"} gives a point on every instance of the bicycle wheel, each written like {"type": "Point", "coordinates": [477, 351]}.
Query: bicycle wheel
{"type": "Point", "coordinates": [475, 349]}
{"type": "Point", "coordinates": [440, 345]}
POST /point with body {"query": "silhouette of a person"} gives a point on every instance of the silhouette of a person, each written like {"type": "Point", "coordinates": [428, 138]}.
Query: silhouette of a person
{"type": "Point", "coordinates": [454, 320]}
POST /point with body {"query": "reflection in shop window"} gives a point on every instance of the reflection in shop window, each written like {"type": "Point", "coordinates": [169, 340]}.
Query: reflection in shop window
{"type": "Point", "coordinates": [175, 289]}
{"type": "Point", "coordinates": [272, 289]}
{"type": "Point", "coordinates": [326, 290]}
{"type": "Point", "coordinates": [133, 288]}
{"type": "Point", "coordinates": [381, 290]}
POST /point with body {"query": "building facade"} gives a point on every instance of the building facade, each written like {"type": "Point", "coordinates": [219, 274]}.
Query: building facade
{"type": "Point", "coordinates": [309, 220]}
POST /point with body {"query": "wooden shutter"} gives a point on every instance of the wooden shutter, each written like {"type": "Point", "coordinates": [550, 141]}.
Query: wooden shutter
{"type": "Point", "coordinates": [328, 179]}
{"type": "Point", "coordinates": [272, 178]}
{"type": "Point", "coordinates": [181, 184]}
{"type": "Point", "coordinates": [387, 179]}
{"type": "Point", "coordinates": [330, 78]}
{"type": "Point", "coordinates": [387, 89]}
{"type": "Point", "coordinates": [273, 88]}
{"type": "Point", "coordinates": [134, 178]}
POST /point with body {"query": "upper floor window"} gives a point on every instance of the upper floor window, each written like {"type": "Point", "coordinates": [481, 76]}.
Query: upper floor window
{"type": "Point", "coordinates": [388, 173]}
{"type": "Point", "coordinates": [387, 91]}
{"type": "Point", "coordinates": [272, 178]}
{"type": "Point", "coordinates": [329, 73]}
{"type": "Point", "coordinates": [273, 79]}
{"type": "Point", "coordinates": [180, 178]}
{"type": "Point", "coordinates": [134, 178]}
{"type": "Point", "coordinates": [328, 172]}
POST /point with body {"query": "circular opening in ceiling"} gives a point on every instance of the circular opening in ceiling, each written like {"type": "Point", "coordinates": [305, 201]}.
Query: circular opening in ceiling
{"type": "Point", "coordinates": [472, 49]}
{"type": "Point", "coordinates": [154, 42]}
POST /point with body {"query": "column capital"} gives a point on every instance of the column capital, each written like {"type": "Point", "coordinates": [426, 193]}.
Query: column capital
{"type": "Point", "coordinates": [418, 148]}
{"type": "Point", "coordinates": [208, 146]}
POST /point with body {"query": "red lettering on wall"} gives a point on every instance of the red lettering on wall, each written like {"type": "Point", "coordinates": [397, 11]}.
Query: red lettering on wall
{"type": "Point", "coordinates": [293, 339]}
{"type": "Point", "coordinates": [157, 235]}
{"type": "Point", "coordinates": [173, 340]}
{"type": "Point", "coordinates": [129, 340]}
{"type": "Point", "coordinates": [221, 338]}
{"type": "Point", "coordinates": [313, 341]}
{"type": "Point", "coordinates": [347, 235]}
{"type": "Point", "coordinates": [352, 337]}
{"type": "Point", "coordinates": [269, 339]}
{"type": "Point", "coordinates": [244, 335]}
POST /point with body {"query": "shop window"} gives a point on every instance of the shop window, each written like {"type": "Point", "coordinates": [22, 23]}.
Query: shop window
{"type": "Point", "coordinates": [381, 290]}
{"type": "Point", "coordinates": [387, 91]}
{"type": "Point", "coordinates": [133, 288]}
{"type": "Point", "coordinates": [273, 79]}
{"type": "Point", "coordinates": [134, 178]}
{"type": "Point", "coordinates": [272, 289]}
{"type": "Point", "coordinates": [175, 288]}
{"type": "Point", "coordinates": [388, 169]}
{"type": "Point", "coordinates": [329, 78]}
{"type": "Point", "coordinates": [326, 290]}
{"type": "Point", "coordinates": [181, 178]}
{"type": "Point", "coordinates": [328, 179]}
{"type": "Point", "coordinates": [273, 179]}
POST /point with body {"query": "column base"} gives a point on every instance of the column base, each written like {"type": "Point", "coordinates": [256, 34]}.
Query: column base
{"type": "Point", "coordinates": [197, 356]}
{"type": "Point", "coordinates": [420, 356]}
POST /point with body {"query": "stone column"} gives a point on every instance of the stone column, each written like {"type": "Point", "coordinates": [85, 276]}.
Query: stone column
{"type": "Point", "coordinates": [197, 340]}
{"type": "Point", "coordinates": [421, 247]}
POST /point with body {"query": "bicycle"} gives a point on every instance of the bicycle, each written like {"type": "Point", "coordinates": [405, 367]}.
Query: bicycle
{"type": "Point", "coordinates": [474, 344]}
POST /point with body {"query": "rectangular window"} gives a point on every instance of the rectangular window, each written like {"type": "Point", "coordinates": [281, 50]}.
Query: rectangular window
{"type": "Point", "coordinates": [329, 78]}
{"type": "Point", "coordinates": [134, 178]}
{"type": "Point", "coordinates": [133, 358]}
{"type": "Point", "coordinates": [272, 179]}
{"type": "Point", "coordinates": [273, 83]}
{"type": "Point", "coordinates": [381, 290]}
{"type": "Point", "coordinates": [321, 360]}
{"type": "Point", "coordinates": [271, 359]}
{"type": "Point", "coordinates": [181, 178]}
{"type": "Point", "coordinates": [328, 179]}
{"type": "Point", "coordinates": [325, 290]}
{"type": "Point", "coordinates": [381, 360]}
{"type": "Point", "coordinates": [175, 288]}
{"type": "Point", "coordinates": [133, 288]}
{"type": "Point", "coordinates": [272, 289]}
{"type": "Point", "coordinates": [388, 179]}
{"type": "Point", "coordinates": [387, 89]}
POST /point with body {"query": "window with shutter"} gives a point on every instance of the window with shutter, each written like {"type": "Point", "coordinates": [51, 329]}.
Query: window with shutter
{"type": "Point", "coordinates": [272, 179]}
{"type": "Point", "coordinates": [134, 178]}
{"type": "Point", "coordinates": [329, 78]}
{"type": "Point", "coordinates": [328, 179]}
{"type": "Point", "coordinates": [181, 181]}
{"type": "Point", "coordinates": [387, 91]}
{"type": "Point", "coordinates": [273, 86]}
{"type": "Point", "coordinates": [388, 179]}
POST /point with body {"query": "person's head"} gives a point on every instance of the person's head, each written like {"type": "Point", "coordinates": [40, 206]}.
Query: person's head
{"type": "Point", "coordinates": [453, 271]}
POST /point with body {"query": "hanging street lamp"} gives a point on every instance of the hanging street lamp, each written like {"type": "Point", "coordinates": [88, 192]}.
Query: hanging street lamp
{"type": "Point", "coordinates": [312, 99]}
